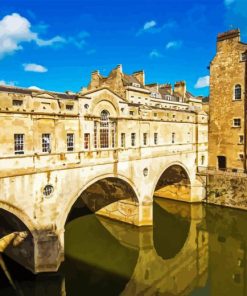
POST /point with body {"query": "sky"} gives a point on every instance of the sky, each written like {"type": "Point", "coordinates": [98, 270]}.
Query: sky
{"type": "Point", "coordinates": [55, 45]}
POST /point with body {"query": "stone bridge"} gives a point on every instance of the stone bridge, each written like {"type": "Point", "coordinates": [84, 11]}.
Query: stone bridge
{"type": "Point", "coordinates": [97, 155]}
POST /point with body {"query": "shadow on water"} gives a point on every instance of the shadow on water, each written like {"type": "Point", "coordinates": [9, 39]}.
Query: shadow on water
{"type": "Point", "coordinates": [190, 250]}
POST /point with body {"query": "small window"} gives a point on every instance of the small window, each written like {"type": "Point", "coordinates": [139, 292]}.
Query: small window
{"type": "Point", "coordinates": [241, 139]}
{"type": "Point", "coordinates": [241, 156]}
{"type": "Point", "coordinates": [173, 138]}
{"type": "Point", "coordinates": [155, 138]}
{"type": "Point", "coordinates": [86, 106]}
{"type": "Point", "coordinates": [17, 102]}
{"type": "Point", "coordinates": [173, 116]}
{"type": "Point", "coordinates": [131, 113]}
{"type": "Point", "coordinates": [122, 140]}
{"type": "Point", "coordinates": [237, 92]}
{"type": "Point", "coordinates": [244, 57]}
{"type": "Point", "coordinates": [236, 122]}
{"type": "Point", "coordinates": [133, 139]}
{"type": "Point", "coordinates": [70, 142]}
{"type": "Point", "coordinates": [155, 114]}
{"type": "Point", "coordinates": [86, 140]}
{"type": "Point", "coordinates": [19, 143]}
{"type": "Point", "coordinates": [202, 159]}
{"type": "Point", "coordinates": [46, 143]}
{"type": "Point", "coordinates": [145, 137]}
{"type": "Point", "coordinates": [136, 84]}
{"type": "Point", "coordinates": [69, 107]}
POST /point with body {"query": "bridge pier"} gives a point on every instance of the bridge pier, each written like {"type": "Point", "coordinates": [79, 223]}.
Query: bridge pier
{"type": "Point", "coordinates": [128, 211]}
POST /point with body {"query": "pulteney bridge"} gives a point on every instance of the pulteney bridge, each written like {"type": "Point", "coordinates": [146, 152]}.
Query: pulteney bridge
{"type": "Point", "coordinates": [96, 148]}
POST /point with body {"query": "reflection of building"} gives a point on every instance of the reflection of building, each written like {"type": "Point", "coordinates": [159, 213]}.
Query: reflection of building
{"type": "Point", "coordinates": [228, 95]}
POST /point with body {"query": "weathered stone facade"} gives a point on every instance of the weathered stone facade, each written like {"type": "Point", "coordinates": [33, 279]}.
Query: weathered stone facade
{"type": "Point", "coordinates": [227, 104]}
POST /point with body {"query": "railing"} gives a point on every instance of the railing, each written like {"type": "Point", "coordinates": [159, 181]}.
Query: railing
{"type": "Point", "coordinates": [224, 171]}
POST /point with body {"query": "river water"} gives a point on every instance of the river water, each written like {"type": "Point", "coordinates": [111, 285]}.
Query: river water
{"type": "Point", "coordinates": [194, 250]}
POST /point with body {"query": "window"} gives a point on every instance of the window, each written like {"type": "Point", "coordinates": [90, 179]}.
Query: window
{"type": "Point", "coordinates": [173, 138]}
{"type": "Point", "coordinates": [107, 130]}
{"type": "Point", "coordinates": [236, 122]}
{"type": "Point", "coordinates": [19, 143]}
{"type": "Point", "coordinates": [237, 92]}
{"type": "Point", "coordinates": [155, 114]}
{"type": "Point", "coordinates": [95, 134]}
{"type": "Point", "coordinates": [122, 140]}
{"type": "Point", "coordinates": [86, 140]}
{"type": "Point", "coordinates": [155, 138]}
{"type": "Point", "coordinates": [69, 107]}
{"type": "Point", "coordinates": [244, 57]}
{"type": "Point", "coordinates": [145, 137]}
{"type": "Point", "coordinates": [70, 142]}
{"type": "Point", "coordinates": [46, 143]}
{"type": "Point", "coordinates": [17, 102]}
{"type": "Point", "coordinates": [131, 113]}
{"type": "Point", "coordinates": [202, 159]}
{"type": "Point", "coordinates": [86, 106]}
{"type": "Point", "coordinates": [133, 139]}
{"type": "Point", "coordinates": [241, 156]}
{"type": "Point", "coordinates": [136, 84]}
{"type": "Point", "coordinates": [241, 139]}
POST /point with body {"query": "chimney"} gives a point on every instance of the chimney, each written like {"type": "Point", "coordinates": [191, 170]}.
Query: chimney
{"type": "Point", "coordinates": [95, 80]}
{"type": "Point", "coordinates": [232, 34]}
{"type": "Point", "coordinates": [140, 76]}
{"type": "Point", "coordinates": [180, 88]}
{"type": "Point", "coordinates": [167, 87]}
{"type": "Point", "coordinates": [119, 68]}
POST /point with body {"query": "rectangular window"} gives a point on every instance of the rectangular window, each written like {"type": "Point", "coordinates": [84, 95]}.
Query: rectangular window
{"type": "Point", "coordinates": [133, 139]}
{"type": "Point", "coordinates": [95, 135]}
{"type": "Point", "coordinates": [236, 122]}
{"type": "Point", "coordinates": [70, 142]}
{"type": "Point", "coordinates": [46, 143]}
{"type": "Point", "coordinates": [155, 138]}
{"type": "Point", "coordinates": [69, 107]}
{"type": "Point", "coordinates": [17, 102]}
{"type": "Point", "coordinates": [173, 137]}
{"type": "Point", "coordinates": [19, 143]}
{"type": "Point", "coordinates": [155, 114]}
{"type": "Point", "coordinates": [123, 140]}
{"type": "Point", "coordinates": [240, 156]}
{"type": "Point", "coordinates": [244, 57]}
{"type": "Point", "coordinates": [86, 141]}
{"type": "Point", "coordinates": [241, 139]}
{"type": "Point", "coordinates": [131, 113]}
{"type": "Point", "coordinates": [145, 138]}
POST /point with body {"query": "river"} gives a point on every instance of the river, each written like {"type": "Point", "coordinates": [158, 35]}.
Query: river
{"type": "Point", "coordinates": [194, 250]}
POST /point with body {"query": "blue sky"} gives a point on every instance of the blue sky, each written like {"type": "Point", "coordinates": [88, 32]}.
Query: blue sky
{"type": "Point", "coordinates": [55, 45]}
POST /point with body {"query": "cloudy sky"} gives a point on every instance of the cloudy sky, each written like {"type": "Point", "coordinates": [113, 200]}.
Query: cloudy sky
{"type": "Point", "coordinates": [55, 45]}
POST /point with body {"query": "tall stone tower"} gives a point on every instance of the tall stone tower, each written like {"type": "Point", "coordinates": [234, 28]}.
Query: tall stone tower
{"type": "Point", "coordinates": [227, 104]}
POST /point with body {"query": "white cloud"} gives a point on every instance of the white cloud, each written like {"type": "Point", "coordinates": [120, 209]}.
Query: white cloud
{"type": "Point", "coordinates": [11, 83]}
{"type": "Point", "coordinates": [34, 87]}
{"type": "Point", "coordinates": [228, 2]}
{"type": "Point", "coordinates": [155, 54]}
{"type": "Point", "coordinates": [202, 82]}
{"type": "Point", "coordinates": [173, 44]}
{"type": "Point", "coordinates": [149, 25]}
{"type": "Point", "coordinates": [34, 68]}
{"type": "Point", "coordinates": [15, 29]}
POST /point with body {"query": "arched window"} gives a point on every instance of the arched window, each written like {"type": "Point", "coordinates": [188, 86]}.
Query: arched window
{"type": "Point", "coordinates": [107, 130]}
{"type": "Point", "coordinates": [237, 92]}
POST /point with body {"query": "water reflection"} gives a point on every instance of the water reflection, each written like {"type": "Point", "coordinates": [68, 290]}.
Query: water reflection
{"type": "Point", "coordinates": [191, 250]}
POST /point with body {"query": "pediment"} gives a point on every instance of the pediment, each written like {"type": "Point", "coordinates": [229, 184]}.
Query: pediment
{"type": "Point", "coordinates": [44, 95]}
{"type": "Point", "coordinates": [104, 93]}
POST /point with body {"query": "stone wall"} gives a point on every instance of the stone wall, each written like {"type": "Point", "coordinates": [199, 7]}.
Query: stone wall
{"type": "Point", "coordinates": [227, 190]}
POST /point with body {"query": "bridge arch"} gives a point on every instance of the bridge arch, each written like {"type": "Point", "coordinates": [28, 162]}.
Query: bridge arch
{"type": "Point", "coordinates": [131, 188]}
{"type": "Point", "coordinates": [173, 180]}
{"type": "Point", "coordinates": [19, 214]}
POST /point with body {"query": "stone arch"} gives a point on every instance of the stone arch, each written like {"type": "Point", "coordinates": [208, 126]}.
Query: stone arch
{"type": "Point", "coordinates": [62, 220]}
{"type": "Point", "coordinates": [105, 101]}
{"type": "Point", "coordinates": [19, 213]}
{"type": "Point", "coordinates": [175, 184]}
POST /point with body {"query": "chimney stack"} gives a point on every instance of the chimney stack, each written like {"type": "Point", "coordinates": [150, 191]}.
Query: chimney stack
{"type": "Point", "coordinates": [140, 76]}
{"type": "Point", "coordinates": [180, 88]}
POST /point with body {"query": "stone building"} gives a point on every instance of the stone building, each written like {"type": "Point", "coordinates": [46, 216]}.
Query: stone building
{"type": "Point", "coordinates": [227, 104]}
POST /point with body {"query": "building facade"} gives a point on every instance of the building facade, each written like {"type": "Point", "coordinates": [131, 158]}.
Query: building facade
{"type": "Point", "coordinates": [227, 104]}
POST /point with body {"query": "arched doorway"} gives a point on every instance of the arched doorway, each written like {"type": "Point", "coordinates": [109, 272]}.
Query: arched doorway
{"type": "Point", "coordinates": [174, 183]}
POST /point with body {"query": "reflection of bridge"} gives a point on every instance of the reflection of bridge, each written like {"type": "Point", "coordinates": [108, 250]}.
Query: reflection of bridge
{"type": "Point", "coordinates": [128, 153]}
